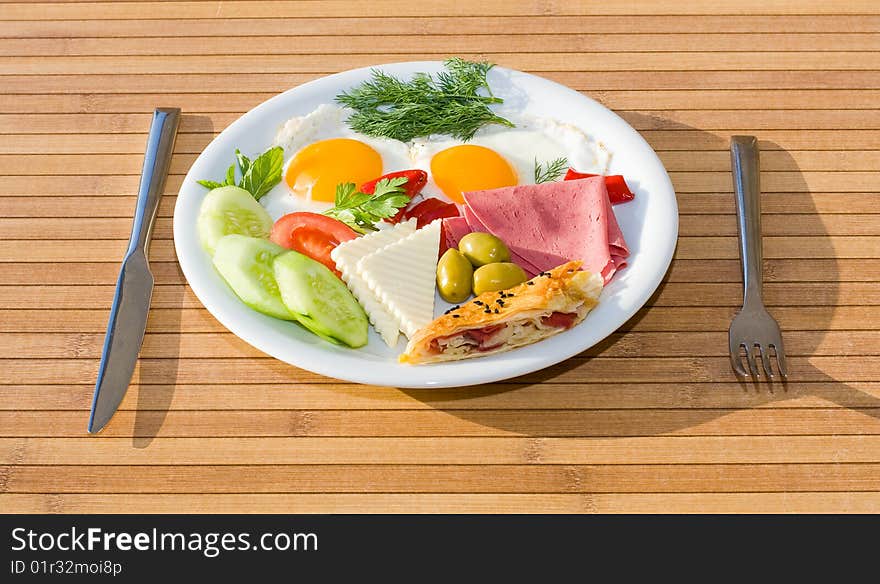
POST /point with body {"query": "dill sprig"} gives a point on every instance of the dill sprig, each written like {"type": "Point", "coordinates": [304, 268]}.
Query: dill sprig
{"type": "Point", "coordinates": [451, 104]}
{"type": "Point", "coordinates": [550, 171]}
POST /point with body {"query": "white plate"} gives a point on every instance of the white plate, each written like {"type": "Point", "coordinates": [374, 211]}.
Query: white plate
{"type": "Point", "coordinates": [650, 225]}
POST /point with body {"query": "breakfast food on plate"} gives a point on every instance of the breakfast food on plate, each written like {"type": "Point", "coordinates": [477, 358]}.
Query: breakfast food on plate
{"type": "Point", "coordinates": [320, 301]}
{"type": "Point", "coordinates": [246, 263]}
{"type": "Point", "coordinates": [482, 248]}
{"type": "Point", "coordinates": [547, 224]}
{"type": "Point", "coordinates": [348, 254]}
{"type": "Point", "coordinates": [364, 209]}
{"type": "Point", "coordinates": [497, 276]}
{"type": "Point", "coordinates": [311, 234]}
{"type": "Point", "coordinates": [230, 209]}
{"type": "Point", "coordinates": [495, 322]}
{"type": "Point", "coordinates": [402, 275]}
{"type": "Point", "coordinates": [618, 190]}
{"type": "Point", "coordinates": [455, 276]}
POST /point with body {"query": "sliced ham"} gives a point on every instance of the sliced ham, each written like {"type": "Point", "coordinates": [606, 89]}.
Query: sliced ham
{"type": "Point", "coordinates": [454, 228]}
{"type": "Point", "coordinates": [548, 224]}
{"type": "Point", "coordinates": [516, 257]}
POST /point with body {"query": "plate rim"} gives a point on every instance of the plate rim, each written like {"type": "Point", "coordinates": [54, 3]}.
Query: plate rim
{"type": "Point", "coordinates": [329, 366]}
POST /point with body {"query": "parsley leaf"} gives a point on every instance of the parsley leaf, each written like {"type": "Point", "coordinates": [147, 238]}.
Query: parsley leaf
{"type": "Point", "coordinates": [230, 175]}
{"type": "Point", "coordinates": [361, 211]}
{"type": "Point", "coordinates": [243, 161]}
{"type": "Point", "coordinates": [259, 176]}
{"type": "Point", "coordinates": [263, 173]}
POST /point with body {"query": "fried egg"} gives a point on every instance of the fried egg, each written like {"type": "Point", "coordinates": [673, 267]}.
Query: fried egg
{"type": "Point", "coordinates": [499, 156]}
{"type": "Point", "coordinates": [321, 151]}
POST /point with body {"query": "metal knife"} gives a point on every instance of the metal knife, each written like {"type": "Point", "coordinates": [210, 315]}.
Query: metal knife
{"type": "Point", "coordinates": [134, 288]}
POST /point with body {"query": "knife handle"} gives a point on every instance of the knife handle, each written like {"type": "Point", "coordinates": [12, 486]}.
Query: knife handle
{"type": "Point", "coordinates": [157, 160]}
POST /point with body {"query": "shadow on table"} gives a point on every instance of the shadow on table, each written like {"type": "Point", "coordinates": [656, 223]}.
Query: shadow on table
{"type": "Point", "coordinates": [783, 175]}
{"type": "Point", "coordinates": [157, 377]}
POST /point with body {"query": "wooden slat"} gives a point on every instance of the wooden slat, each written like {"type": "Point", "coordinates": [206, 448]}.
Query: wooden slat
{"type": "Point", "coordinates": [679, 478]}
{"type": "Point", "coordinates": [593, 81]}
{"type": "Point", "coordinates": [648, 344]}
{"type": "Point", "coordinates": [570, 423]}
{"type": "Point", "coordinates": [335, 396]}
{"type": "Point", "coordinates": [850, 502]}
{"type": "Point", "coordinates": [578, 370]}
{"type": "Point", "coordinates": [445, 450]}
{"type": "Point", "coordinates": [401, 43]}
{"type": "Point", "coordinates": [868, 502]}
{"type": "Point", "coordinates": [600, 61]}
{"type": "Point", "coordinates": [381, 8]}
{"type": "Point", "coordinates": [437, 26]}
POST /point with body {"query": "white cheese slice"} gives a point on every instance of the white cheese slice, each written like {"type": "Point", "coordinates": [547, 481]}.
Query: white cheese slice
{"type": "Point", "coordinates": [347, 254]}
{"type": "Point", "coordinates": [403, 276]}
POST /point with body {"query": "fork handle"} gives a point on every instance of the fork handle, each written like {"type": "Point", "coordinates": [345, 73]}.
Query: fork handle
{"type": "Point", "coordinates": [746, 169]}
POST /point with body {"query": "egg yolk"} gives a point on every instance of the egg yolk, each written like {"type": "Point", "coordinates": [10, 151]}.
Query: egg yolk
{"type": "Point", "coordinates": [319, 167]}
{"type": "Point", "coordinates": [460, 169]}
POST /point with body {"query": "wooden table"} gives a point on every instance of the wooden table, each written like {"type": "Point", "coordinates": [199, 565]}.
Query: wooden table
{"type": "Point", "coordinates": [651, 420]}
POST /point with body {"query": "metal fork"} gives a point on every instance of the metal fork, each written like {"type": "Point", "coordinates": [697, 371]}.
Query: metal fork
{"type": "Point", "coordinates": [753, 329]}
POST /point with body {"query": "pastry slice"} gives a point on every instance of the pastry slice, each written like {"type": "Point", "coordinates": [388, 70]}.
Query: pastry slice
{"type": "Point", "coordinates": [495, 322]}
{"type": "Point", "coordinates": [403, 277]}
{"type": "Point", "coordinates": [349, 253]}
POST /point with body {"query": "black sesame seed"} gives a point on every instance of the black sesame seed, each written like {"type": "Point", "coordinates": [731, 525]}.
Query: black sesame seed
{"type": "Point", "coordinates": [456, 316]}
{"type": "Point", "coordinates": [500, 303]}
{"type": "Point", "coordinates": [478, 302]}
{"type": "Point", "coordinates": [496, 311]}
{"type": "Point", "coordinates": [530, 283]}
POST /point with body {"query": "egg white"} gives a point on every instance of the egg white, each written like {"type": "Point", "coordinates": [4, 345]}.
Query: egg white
{"type": "Point", "coordinates": [532, 139]}
{"type": "Point", "coordinates": [325, 122]}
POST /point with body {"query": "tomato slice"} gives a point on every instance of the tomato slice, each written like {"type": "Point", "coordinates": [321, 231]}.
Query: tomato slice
{"type": "Point", "coordinates": [618, 191]}
{"type": "Point", "coordinates": [430, 210]}
{"type": "Point", "coordinates": [415, 181]}
{"type": "Point", "coordinates": [312, 234]}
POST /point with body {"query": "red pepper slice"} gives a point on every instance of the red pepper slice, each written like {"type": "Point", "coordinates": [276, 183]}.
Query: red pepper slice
{"type": "Point", "coordinates": [430, 210]}
{"type": "Point", "coordinates": [618, 191]}
{"type": "Point", "coordinates": [415, 181]}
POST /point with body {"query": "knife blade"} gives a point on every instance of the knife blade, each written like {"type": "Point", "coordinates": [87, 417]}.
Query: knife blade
{"type": "Point", "coordinates": [134, 287]}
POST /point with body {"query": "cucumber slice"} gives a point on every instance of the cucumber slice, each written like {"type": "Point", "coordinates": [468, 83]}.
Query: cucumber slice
{"type": "Point", "coordinates": [231, 210]}
{"type": "Point", "coordinates": [246, 265]}
{"type": "Point", "coordinates": [320, 300]}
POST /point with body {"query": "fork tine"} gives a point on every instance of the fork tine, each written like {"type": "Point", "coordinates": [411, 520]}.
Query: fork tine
{"type": "Point", "coordinates": [736, 359]}
{"type": "Point", "coordinates": [750, 357]}
{"type": "Point", "coordinates": [780, 359]}
{"type": "Point", "coordinates": [765, 358]}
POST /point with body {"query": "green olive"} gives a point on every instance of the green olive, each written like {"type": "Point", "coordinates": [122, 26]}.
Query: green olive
{"type": "Point", "coordinates": [497, 276]}
{"type": "Point", "coordinates": [483, 248]}
{"type": "Point", "coordinates": [454, 275]}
